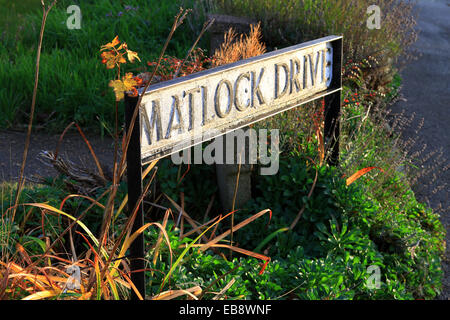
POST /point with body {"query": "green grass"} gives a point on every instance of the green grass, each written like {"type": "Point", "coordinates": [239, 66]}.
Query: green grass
{"type": "Point", "coordinates": [12, 13]}
{"type": "Point", "coordinates": [73, 84]}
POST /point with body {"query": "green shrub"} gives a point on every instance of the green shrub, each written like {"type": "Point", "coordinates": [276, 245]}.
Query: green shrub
{"type": "Point", "coordinates": [344, 230]}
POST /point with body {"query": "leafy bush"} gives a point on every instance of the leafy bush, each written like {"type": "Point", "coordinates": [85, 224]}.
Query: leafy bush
{"type": "Point", "coordinates": [343, 232]}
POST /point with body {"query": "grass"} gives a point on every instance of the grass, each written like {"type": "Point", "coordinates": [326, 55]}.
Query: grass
{"type": "Point", "coordinates": [74, 84]}
{"type": "Point", "coordinates": [13, 13]}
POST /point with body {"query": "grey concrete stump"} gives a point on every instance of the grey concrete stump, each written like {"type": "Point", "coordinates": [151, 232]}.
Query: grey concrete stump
{"type": "Point", "coordinates": [234, 192]}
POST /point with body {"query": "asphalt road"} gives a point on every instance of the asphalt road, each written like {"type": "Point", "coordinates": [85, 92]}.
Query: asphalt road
{"type": "Point", "coordinates": [72, 148]}
{"type": "Point", "coordinates": [427, 93]}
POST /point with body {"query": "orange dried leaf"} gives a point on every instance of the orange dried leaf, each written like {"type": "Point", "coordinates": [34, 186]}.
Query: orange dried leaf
{"type": "Point", "coordinates": [359, 174]}
{"type": "Point", "coordinates": [43, 295]}
{"type": "Point", "coordinates": [109, 58]}
{"type": "Point", "coordinates": [118, 88]}
{"type": "Point", "coordinates": [129, 81]}
{"type": "Point", "coordinates": [132, 55]}
{"type": "Point", "coordinates": [121, 59]}
{"type": "Point", "coordinates": [112, 44]}
{"type": "Point", "coordinates": [112, 59]}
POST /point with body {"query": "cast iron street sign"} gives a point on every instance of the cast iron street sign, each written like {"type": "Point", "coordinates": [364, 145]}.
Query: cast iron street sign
{"type": "Point", "coordinates": [179, 113]}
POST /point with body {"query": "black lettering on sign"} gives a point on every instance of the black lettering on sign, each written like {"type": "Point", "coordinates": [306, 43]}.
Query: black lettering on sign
{"type": "Point", "coordinates": [256, 90]}
{"type": "Point", "coordinates": [305, 72]}
{"type": "Point", "coordinates": [314, 67]}
{"type": "Point", "coordinates": [237, 102]}
{"type": "Point", "coordinates": [285, 67]}
{"type": "Point", "coordinates": [324, 64]}
{"type": "Point", "coordinates": [296, 66]}
{"type": "Point", "coordinates": [204, 91]}
{"type": "Point", "coordinates": [180, 125]}
{"type": "Point", "coordinates": [217, 98]}
{"type": "Point", "coordinates": [190, 93]}
{"type": "Point", "coordinates": [149, 123]}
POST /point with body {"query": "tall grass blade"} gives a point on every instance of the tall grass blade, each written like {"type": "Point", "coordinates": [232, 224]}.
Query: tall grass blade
{"type": "Point", "coordinates": [269, 238]}
{"type": "Point", "coordinates": [193, 292]}
{"type": "Point", "coordinates": [43, 295]}
{"type": "Point", "coordinates": [236, 228]}
{"type": "Point", "coordinates": [359, 174]}
{"type": "Point", "coordinates": [81, 224]}
{"type": "Point", "coordinates": [190, 245]}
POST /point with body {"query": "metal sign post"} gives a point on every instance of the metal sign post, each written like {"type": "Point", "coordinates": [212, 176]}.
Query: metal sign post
{"type": "Point", "coordinates": [177, 114]}
{"type": "Point", "coordinates": [333, 106]}
{"type": "Point", "coordinates": [134, 181]}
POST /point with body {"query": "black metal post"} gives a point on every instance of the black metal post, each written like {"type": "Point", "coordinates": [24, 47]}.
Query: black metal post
{"type": "Point", "coordinates": [333, 106]}
{"type": "Point", "coordinates": [134, 180]}
{"type": "Point", "coordinates": [332, 126]}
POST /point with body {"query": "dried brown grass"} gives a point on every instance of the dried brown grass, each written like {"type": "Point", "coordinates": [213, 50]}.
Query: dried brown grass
{"type": "Point", "coordinates": [234, 49]}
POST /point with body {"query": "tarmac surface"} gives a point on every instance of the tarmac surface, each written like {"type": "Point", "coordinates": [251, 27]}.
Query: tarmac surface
{"type": "Point", "coordinates": [427, 93]}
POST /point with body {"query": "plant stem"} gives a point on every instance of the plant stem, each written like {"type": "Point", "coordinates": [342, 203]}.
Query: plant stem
{"type": "Point", "coordinates": [33, 106]}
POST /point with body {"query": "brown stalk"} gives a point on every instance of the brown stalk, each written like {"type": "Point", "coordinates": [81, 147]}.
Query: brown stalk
{"type": "Point", "coordinates": [210, 204]}
{"type": "Point", "coordinates": [299, 214]}
{"type": "Point", "coordinates": [110, 205]}
{"type": "Point", "coordinates": [55, 156]}
{"type": "Point", "coordinates": [217, 280]}
{"type": "Point", "coordinates": [206, 26]}
{"type": "Point", "coordinates": [213, 233]}
{"type": "Point", "coordinates": [33, 105]}
{"type": "Point", "coordinates": [198, 229]}
{"type": "Point", "coordinates": [239, 226]}
{"type": "Point", "coordinates": [99, 167]}
{"type": "Point", "coordinates": [160, 237]}
{"type": "Point", "coordinates": [188, 218]}
{"type": "Point", "coordinates": [172, 294]}
{"type": "Point", "coordinates": [234, 201]}
{"type": "Point", "coordinates": [127, 226]}
{"type": "Point", "coordinates": [182, 218]}
{"type": "Point", "coordinates": [224, 290]}
{"type": "Point", "coordinates": [177, 22]}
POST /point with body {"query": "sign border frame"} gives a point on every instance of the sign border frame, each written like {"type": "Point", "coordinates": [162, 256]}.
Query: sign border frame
{"type": "Point", "coordinates": [332, 96]}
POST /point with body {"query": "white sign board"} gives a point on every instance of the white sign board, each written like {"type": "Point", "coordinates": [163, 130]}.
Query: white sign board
{"type": "Point", "coordinates": [180, 113]}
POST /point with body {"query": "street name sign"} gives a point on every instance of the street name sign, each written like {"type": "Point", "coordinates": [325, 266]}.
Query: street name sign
{"type": "Point", "coordinates": [180, 113]}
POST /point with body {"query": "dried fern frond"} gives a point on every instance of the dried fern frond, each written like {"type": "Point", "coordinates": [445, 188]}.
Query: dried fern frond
{"type": "Point", "coordinates": [253, 44]}
{"type": "Point", "coordinates": [233, 50]}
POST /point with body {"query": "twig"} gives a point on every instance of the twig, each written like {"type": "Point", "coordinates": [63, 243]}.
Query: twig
{"type": "Point", "coordinates": [177, 22]}
{"type": "Point", "coordinates": [224, 290]}
{"type": "Point", "coordinates": [206, 26]}
{"type": "Point", "coordinates": [33, 105]}
{"type": "Point", "coordinates": [299, 215]}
